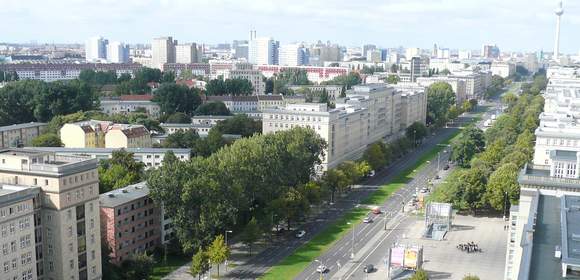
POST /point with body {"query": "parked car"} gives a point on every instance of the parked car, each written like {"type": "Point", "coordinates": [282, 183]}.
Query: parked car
{"type": "Point", "coordinates": [300, 234]}
{"type": "Point", "coordinates": [369, 268]}
{"type": "Point", "coordinates": [446, 167]}
{"type": "Point", "coordinates": [371, 173]}
{"type": "Point", "coordinates": [367, 220]}
{"type": "Point", "coordinates": [322, 269]}
{"type": "Point", "coordinates": [424, 190]}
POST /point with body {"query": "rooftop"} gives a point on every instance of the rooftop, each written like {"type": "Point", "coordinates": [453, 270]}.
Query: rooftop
{"type": "Point", "coordinates": [21, 126]}
{"type": "Point", "coordinates": [47, 162]}
{"type": "Point", "coordinates": [124, 195]}
{"type": "Point", "coordinates": [111, 150]}
{"type": "Point", "coordinates": [10, 194]}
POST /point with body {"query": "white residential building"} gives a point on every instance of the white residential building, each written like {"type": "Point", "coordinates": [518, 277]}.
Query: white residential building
{"type": "Point", "coordinates": [125, 104]}
{"type": "Point", "coordinates": [186, 53]}
{"type": "Point", "coordinates": [18, 135]}
{"type": "Point", "coordinates": [117, 52]}
{"type": "Point", "coordinates": [96, 49]}
{"type": "Point", "coordinates": [315, 74]}
{"type": "Point", "coordinates": [163, 51]}
{"type": "Point", "coordinates": [503, 69]}
{"type": "Point", "coordinates": [293, 55]}
{"type": "Point", "coordinates": [263, 51]}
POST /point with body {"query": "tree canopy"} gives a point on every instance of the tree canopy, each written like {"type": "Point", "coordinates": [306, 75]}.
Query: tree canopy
{"type": "Point", "coordinates": [214, 108]}
{"type": "Point", "coordinates": [440, 98]}
{"type": "Point", "coordinates": [177, 98]}
{"type": "Point", "coordinates": [228, 87]}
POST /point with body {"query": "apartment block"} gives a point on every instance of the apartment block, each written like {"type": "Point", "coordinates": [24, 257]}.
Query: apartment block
{"type": "Point", "coordinates": [503, 69]}
{"type": "Point", "coordinates": [315, 74]}
{"type": "Point", "coordinates": [126, 104]}
{"type": "Point", "coordinates": [151, 157]}
{"type": "Point", "coordinates": [244, 104]}
{"type": "Point", "coordinates": [104, 134]}
{"type": "Point", "coordinates": [67, 222]}
{"type": "Point", "coordinates": [413, 108]}
{"type": "Point", "coordinates": [50, 72]}
{"type": "Point", "coordinates": [18, 135]}
{"type": "Point", "coordinates": [128, 136]}
{"type": "Point", "coordinates": [17, 223]}
{"type": "Point", "coordinates": [130, 222]}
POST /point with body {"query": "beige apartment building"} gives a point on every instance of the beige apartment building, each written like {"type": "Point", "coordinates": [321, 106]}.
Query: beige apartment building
{"type": "Point", "coordinates": [68, 217]}
{"type": "Point", "coordinates": [19, 135]}
{"type": "Point", "coordinates": [413, 108]}
{"type": "Point", "coordinates": [17, 220]}
{"type": "Point", "coordinates": [104, 134]}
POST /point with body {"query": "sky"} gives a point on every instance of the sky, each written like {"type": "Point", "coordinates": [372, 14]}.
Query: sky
{"type": "Point", "coordinates": [516, 25]}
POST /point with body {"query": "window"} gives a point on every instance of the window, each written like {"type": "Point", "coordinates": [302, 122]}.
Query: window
{"type": "Point", "coordinates": [46, 182]}
{"type": "Point", "coordinates": [6, 266]}
{"type": "Point", "coordinates": [72, 264]}
{"type": "Point", "coordinates": [70, 231]}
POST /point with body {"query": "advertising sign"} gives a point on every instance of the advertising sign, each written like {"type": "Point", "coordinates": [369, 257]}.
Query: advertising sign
{"type": "Point", "coordinates": [411, 256]}
{"type": "Point", "coordinates": [397, 256]}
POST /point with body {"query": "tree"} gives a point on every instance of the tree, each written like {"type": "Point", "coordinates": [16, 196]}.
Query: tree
{"type": "Point", "coordinates": [47, 140]}
{"type": "Point", "coordinates": [228, 87]}
{"type": "Point", "coordinates": [199, 263]}
{"type": "Point", "coordinates": [349, 80]}
{"type": "Point", "coordinates": [462, 151]}
{"type": "Point", "coordinates": [466, 106]}
{"type": "Point", "coordinates": [177, 98]}
{"type": "Point", "coordinates": [250, 234]}
{"type": "Point", "coordinates": [476, 135]}
{"type": "Point", "coordinates": [503, 187]}
{"type": "Point", "coordinates": [394, 68]}
{"type": "Point", "coordinates": [335, 180]}
{"type": "Point", "coordinates": [444, 72]}
{"type": "Point", "coordinates": [416, 132]}
{"type": "Point", "coordinates": [138, 267]}
{"type": "Point", "coordinates": [470, 277]}
{"type": "Point", "coordinates": [218, 252]}
{"type": "Point", "coordinates": [440, 97]}
{"type": "Point", "coordinates": [186, 74]}
{"type": "Point", "coordinates": [216, 108]}
{"type": "Point", "coordinates": [182, 139]}
{"type": "Point", "coordinates": [110, 271]}
{"type": "Point", "coordinates": [119, 171]}
{"type": "Point", "coordinates": [453, 113]}
{"type": "Point", "coordinates": [324, 97]}
{"type": "Point", "coordinates": [420, 275]}
{"type": "Point", "coordinates": [375, 156]}
{"type": "Point", "coordinates": [239, 124]}
{"type": "Point", "coordinates": [472, 185]}
{"type": "Point", "coordinates": [393, 79]}
{"type": "Point", "coordinates": [178, 117]}
{"type": "Point", "coordinates": [168, 77]}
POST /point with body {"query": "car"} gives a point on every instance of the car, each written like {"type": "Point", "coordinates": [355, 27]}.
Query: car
{"type": "Point", "coordinates": [367, 220]}
{"type": "Point", "coordinates": [369, 268]}
{"type": "Point", "coordinates": [446, 167]}
{"type": "Point", "coordinates": [424, 190]}
{"type": "Point", "coordinates": [376, 210]}
{"type": "Point", "coordinates": [371, 173]}
{"type": "Point", "coordinates": [437, 177]}
{"type": "Point", "coordinates": [300, 234]}
{"type": "Point", "coordinates": [322, 269]}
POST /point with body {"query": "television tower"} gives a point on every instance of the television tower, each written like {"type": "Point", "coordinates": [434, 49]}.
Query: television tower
{"type": "Point", "coordinates": [559, 11]}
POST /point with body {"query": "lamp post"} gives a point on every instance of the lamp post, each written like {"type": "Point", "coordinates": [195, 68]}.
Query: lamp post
{"type": "Point", "coordinates": [227, 246]}
{"type": "Point", "coordinates": [352, 247]}
{"type": "Point", "coordinates": [504, 204]}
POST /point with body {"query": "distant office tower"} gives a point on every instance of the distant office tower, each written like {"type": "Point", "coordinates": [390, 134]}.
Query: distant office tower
{"type": "Point", "coordinates": [490, 51]}
{"type": "Point", "coordinates": [435, 51]}
{"type": "Point", "coordinates": [321, 53]}
{"type": "Point", "coordinates": [262, 51]}
{"type": "Point", "coordinates": [374, 56]}
{"type": "Point", "coordinates": [186, 53]}
{"type": "Point", "coordinates": [240, 48]}
{"type": "Point", "coordinates": [415, 68]}
{"type": "Point", "coordinates": [293, 55]}
{"type": "Point", "coordinates": [96, 49]}
{"type": "Point", "coordinates": [464, 54]}
{"type": "Point", "coordinates": [117, 52]}
{"type": "Point", "coordinates": [366, 48]}
{"type": "Point", "coordinates": [163, 51]}
{"type": "Point", "coordinates": [559, 11]}
{"type": "Point", "coordinates": [384, 54]}
{"type": "Point", "coordinates": [412, 52]}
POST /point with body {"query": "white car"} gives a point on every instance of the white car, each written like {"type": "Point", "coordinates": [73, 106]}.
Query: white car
{"type": "Point", "coordinates": [300, 234]}
{"type": "Point", "coordinates": [367, 220]}
{"type": "Point", "coordinates": [321, 269]}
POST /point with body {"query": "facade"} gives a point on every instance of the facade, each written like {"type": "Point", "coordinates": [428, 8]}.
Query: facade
{"type": "Point", "coordinates": [248, 104]}
{"type": "Point", "coordinates": [162, 51]}
{"type": "Point", "coordinates": [50, 72]}
{"type": "Point", "coordinates": [201, 129]}
{"type": "Point", "coordinates": [96, 49]}
{"type": "Point", "coordinates": [246, 71]}
{"type": "Point", "coordinates": [130, 222]}
{"type": "Point", "coordinates": [262, 51]}
{"type": "Point", "coordinates": [104, 134]}
{"type": "Point", "coordinates": [293, 55]}
{"type": "Point", "coordinates": [18, 207]}
{"type": "Point", "coordinates": [489, 52]}
{"type": "Point", "coordinates": [186, 53]}
{"type": "Point", "coordinates": [332, 91]}
{"type": "Point", "coordinates": [344, 128]}
{"type": "Point", "coordinates": [18, 135]}
{"type": "Point", "coordinates": [151, 157]}
{"type": "Point", "coordinates": [125, 104]}
{"type": "Point", "coordinates": [199, 69]}
{"type": "Point", "coordinates": [315, 74]}
{"type": "Point", "coordinates": [117, 52]}
{"type": "Point", "coordinates": [458, 85]}
{"type": "Point", "coordinates": [413, 108]}
{"type": "Point", "coordinates": [503, 69]}
{"type": "Point", "coordinates": [67, 222]}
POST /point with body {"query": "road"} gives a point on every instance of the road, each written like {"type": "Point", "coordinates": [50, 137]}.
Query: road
{"type": "Point", "coordinates": [285, 246]}
{"type": "Point", "coordinates": [371, 241]}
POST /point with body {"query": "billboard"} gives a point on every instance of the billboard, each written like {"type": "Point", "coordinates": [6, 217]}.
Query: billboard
{"type": "Point", "coordinates": [397, 256]}
{"type": "Point", "coordinates": [411, 257]}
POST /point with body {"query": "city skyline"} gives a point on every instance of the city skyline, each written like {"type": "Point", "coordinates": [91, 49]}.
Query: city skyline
{"type": "Point", "coordinates": [505, 23]}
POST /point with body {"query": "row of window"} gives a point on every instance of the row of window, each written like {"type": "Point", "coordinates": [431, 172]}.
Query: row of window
{"type": "Point", "coordinates": [15, 209]}
{"type": "Point", "coordinates": [23, 224]}
{"type": "Point", "coordinates": [298, 118]}
{"type": "Point", "coordinates": [10, 247]}
{"type": "Point", "coordinates": [293, 125]}
{"type": "Point", "coordinates": [561, 142]}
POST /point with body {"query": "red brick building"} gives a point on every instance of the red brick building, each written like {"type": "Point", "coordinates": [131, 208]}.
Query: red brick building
{"type": "Point", "coordinates": [130, 222]}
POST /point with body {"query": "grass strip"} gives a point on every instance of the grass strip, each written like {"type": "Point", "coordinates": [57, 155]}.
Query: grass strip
{"type": "Point", "coordinates": [295, 263]}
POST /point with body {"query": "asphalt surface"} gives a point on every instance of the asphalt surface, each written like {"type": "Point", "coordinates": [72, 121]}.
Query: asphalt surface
{"type": "Point", "coordinates": [340, 252]}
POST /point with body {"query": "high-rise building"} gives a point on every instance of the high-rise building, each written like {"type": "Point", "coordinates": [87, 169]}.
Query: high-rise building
{"type": "Point", "coordinates": [412, 52]}
{"type": "Point", "coordinates": [489, 51]}
{"type": "Point", "coordinates": [293, 55]}
{"type": "Point", "coordinates": [559, 12]}
{"type": "Point", "coordinates": [186, 53]}
{"type": "Point", "coordinates": [96, 49]}
{"type": "Point", "coordinates": [374, 56]}
{"type": "Point", "coordinates": [162, 51]}
{"type": "Point", "coordinates": [321, 53]}
{"type": "Point", "coordinates": [262, 51]}
{"type": "Point", "coordinates": [66, 219]}
{"type": "Point", "coordinates": [366, 48]}
{"type": "Point", "coordinates": [240, 48]}
{"type": "Point", "coordinates": [117, 52]}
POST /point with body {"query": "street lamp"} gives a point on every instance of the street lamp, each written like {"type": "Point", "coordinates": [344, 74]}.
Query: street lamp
{"type": "Point", "coordinates": [352, 247]}
{"type": "Point", "coordinates": [227, 246]}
